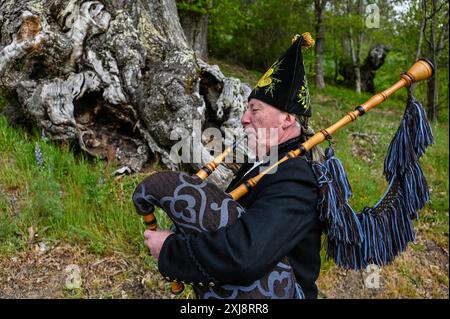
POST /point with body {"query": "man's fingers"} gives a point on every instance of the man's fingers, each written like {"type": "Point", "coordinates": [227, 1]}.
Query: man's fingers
{"type": "Point", "coordinates": [147, 233]}
{"type": "Point", "coordinates": [146, 245]}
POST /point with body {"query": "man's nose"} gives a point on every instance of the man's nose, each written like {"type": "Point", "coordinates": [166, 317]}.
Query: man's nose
{"type": "Point", "coordinates": [245, 119]}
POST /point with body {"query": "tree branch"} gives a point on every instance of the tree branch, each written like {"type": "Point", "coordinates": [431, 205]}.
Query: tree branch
{"type": "Point", "coordinates": [443, 38]}
{"type": "Point", "coordinates": [436, 11]}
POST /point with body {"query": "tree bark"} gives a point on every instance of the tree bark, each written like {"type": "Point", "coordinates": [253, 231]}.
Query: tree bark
{"type": "Point", "coordinates": [436, 43]}
{"type": "Point", "coordinates": [422, 30]}
{"type": "Point", "coordinates": [354, 55]}
{"type": "Point", "coordinates": [432, 98]}
{"type": "Point", "coordinates": [360, 40]}
{"type": "Point", "coordinates": [355, 66]}
{"type": "Point", "coordinates": [195, 28]}
{"type": "Point", "coordinates": [335, 57]}
{"type": "Point", "coordinates": [319, 7]}
{"type": "Point", "coordinates": [116, 77]}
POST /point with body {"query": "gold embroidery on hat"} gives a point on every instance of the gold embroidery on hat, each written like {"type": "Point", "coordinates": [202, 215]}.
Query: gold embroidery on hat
{"type": "Point", "coordinates": [268, 79]}
{"type": "Point", "coordinates": [303, 95]}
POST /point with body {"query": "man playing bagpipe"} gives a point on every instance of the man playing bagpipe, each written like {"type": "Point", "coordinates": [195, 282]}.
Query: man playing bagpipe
{"type": "Point", "coordinates": [267, 244]}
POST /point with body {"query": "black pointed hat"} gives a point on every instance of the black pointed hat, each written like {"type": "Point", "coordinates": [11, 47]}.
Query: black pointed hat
{"type": "Point", "coordinates": [284, 85]}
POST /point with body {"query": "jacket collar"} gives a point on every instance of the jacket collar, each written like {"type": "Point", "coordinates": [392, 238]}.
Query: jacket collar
{"type": "Point", "coordinates": [287, 146]}
{"type": "Point", "coordinates": [283, 148]}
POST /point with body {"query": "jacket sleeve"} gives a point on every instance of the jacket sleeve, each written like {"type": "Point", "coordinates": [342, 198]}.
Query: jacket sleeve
{"type": "Point", "coordinates": [283, 213]}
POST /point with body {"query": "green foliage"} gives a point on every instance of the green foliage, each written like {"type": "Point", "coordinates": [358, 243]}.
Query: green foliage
{"type": "Point", "coordinates": [7, 228]}
{"type": "Point", "coordinates": [46, 206]}
{"type": "Point", "coordinates": [199, 7]}
{"type": "Point", "coordinates": [2, 103]}
{"type": "Point", "coordinates": [255, 33]}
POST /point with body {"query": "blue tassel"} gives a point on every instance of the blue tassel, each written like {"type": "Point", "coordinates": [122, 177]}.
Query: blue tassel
{"type": "Point", "coordinates": [410, 141]}
{"type": "Point", "coordinates": [336, 169]}
{"type": "Point", "coordinates": [342, 227]}
{"type": "Point", "coordinates": [388, 225]}
{"type": "Point", "coordinates": [381, 232]}
{"type": "Point", "coordinates": [419, 129]}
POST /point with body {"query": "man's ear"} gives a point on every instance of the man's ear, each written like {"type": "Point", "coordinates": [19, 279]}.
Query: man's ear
{"type": "Point", "coordinates": [289, 120]}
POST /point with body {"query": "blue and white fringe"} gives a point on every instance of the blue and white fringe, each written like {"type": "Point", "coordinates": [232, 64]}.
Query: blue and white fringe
{"type": "Point", "coordinates": [379, 233]}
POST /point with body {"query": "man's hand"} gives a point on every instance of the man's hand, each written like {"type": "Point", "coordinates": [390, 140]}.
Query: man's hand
{"type": "Point", "coordinates": [155, 239]}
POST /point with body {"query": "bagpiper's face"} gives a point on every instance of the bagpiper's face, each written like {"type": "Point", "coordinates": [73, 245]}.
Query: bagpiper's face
{"type": "Point", "coordinates": [263, 124]}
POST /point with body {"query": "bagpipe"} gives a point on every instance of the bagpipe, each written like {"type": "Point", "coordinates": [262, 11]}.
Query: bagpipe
{"type": "Point", "coordinates": [354, 240]}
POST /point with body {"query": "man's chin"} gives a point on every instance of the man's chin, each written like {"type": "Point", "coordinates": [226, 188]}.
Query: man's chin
{"type": "Point", "coordinates": [258, 150]}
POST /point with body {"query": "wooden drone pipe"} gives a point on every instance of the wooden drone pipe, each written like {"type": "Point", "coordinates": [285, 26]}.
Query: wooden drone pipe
{"type": "Point", "coordinates": [421, 70]}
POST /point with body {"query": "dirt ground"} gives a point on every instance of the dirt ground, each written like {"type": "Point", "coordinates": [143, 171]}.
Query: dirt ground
{"type": "Point", "coordinates": [63, 271]}
{"type": "Point", "coordinates": [419, 272]}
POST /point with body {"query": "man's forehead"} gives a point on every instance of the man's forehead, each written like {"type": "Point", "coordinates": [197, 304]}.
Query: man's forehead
{"type": "Point", "coordinates": [256, 102]}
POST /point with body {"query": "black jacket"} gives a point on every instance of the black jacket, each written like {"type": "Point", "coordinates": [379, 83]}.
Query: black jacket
{"type": "Point", "coordinates": [280, 220]}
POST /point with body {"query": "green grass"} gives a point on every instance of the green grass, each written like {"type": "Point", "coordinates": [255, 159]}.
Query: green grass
{"type": "Point", "coordinates": [229, 69]}
{"type": "Point", "coordinates": [2, 103]}
{"type": "Point", "coordinates": [68, 198]}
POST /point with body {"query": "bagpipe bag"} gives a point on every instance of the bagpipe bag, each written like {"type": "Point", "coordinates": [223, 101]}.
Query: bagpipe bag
{"type": "Point", "coordinates": [194, 205]}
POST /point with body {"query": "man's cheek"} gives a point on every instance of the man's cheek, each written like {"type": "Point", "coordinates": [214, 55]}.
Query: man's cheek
{"type": "Point", "coordinates": [252, 141]}
{"type": "Point", "coordinates": [273, 135]}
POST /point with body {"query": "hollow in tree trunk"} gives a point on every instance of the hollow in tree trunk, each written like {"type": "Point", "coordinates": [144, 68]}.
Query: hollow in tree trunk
{"type": "Point", "coordinates": [116, 77]}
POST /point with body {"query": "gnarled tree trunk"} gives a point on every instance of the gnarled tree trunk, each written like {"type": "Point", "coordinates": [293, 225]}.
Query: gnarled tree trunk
{"type": "Point", "coordinates": [373, 61]}
{"type": "Point", "coordinates": [116, 76]}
